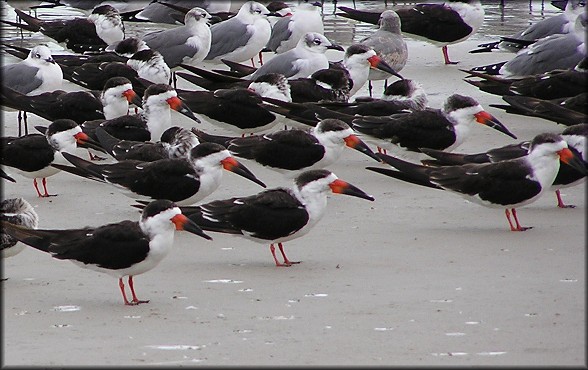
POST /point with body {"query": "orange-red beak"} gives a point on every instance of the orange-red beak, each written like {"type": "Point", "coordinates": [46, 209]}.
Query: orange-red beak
{"type": "Point", "coordinates": [231, 164]}
{"type": "Point", "coordinates": [342, 187]}
{"type": "Point", "coordinates": [184, 223]}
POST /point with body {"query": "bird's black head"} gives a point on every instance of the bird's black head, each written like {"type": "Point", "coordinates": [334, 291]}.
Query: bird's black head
{"type": "Point", "coordinates": [156, 207]}
{"type": "Point", "coordinates": [204, 149]}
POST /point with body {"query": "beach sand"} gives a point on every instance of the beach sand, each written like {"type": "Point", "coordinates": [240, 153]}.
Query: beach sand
{"type": "Point", "coordinates": [419, 277]}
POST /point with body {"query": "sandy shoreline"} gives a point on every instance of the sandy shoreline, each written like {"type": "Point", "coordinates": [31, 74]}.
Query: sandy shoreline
{"type": "Point", "coordinates": [418, 277]}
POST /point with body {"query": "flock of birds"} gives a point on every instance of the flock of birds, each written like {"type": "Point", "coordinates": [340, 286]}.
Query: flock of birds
{"type": "Point", "coordinates": [294, 114]}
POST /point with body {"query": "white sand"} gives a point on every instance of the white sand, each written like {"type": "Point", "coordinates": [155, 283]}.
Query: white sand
{"type": "Point", "coordinates": [418, 277]}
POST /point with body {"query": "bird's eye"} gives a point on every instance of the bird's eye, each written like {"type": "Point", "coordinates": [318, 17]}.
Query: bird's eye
{"type": "Point", "coordinates": [258, 11]}
{"type": "Point", "coordinates": [38, 55]}
{"type": "Point", "coordinates": [317, 41]}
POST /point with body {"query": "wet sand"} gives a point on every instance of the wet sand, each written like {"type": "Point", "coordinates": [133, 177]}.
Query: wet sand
{"type": "Point", "coordinates": [417, 277]}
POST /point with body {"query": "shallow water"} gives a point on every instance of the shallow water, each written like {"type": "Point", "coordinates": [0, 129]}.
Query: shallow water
{"type": "Point", "coordinates": [501, 20]}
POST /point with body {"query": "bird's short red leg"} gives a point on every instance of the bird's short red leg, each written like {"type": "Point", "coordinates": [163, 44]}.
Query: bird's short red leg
{"type": "Point", "coordinates": [286, 260]}
{"type": "Point", "coordinates": [37, 188]}
{"type": "Point", "coordinates": [519, 227]}
{"type": "Point", "coordinates": [121, 285]}
{"type": "Point", "coordinates": [135, 299]}
{"type": "Point", "coordinates": [446, 56]}
{"type": "Point", "coordinates": [273, 250]}
{"type": "Point", "coordinates": [560, 202]}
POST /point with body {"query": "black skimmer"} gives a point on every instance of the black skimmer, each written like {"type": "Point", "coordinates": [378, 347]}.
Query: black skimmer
{"type": "Point", "coordinates": [507, 184]}
{"type": "Point", "coordinates": [565, 111]}
{"type": "Point", "coordinates": [291, 152]}
{"type": "Point", "coordinates": [143, 68]}
{"type": "Point", "coordinates": [80, 106]}
{"type": "Point", "coordinates": [557, 24]}
{"type": "Point", "coordinates": [441, 24]}
{"type": "Point", "coordinates": [100, 29]}
{"type": "Point", "coordinates": [117, 52]}
{"type": "Point", "coordinates": [241, 37]}
{"type": "Point", "coordinates": [567, 176]}
{"type": "Point", "coordinates": [560, 51]}
{"type": "Point", "coordinates": [176, 142]}
{"type": "Point", "coordinates": [287, 31]}
{"type": "Point", "coordinates": [277, 215]}
{"type": "Point", "coordinates": [158, 101]}
{"type": "Point", "coordinates": [125, 248]}
{"type": "Point", "coordinates": [306, 58]}
{"type": "Point", "coordinates": [226, 108]}
{"type": "Point", "coordinates": [555, 84]}
{"type": "Point", "coordinates": [442, 129]}
{"type": "Point", "coordinates": [389, 45]}
{"type": "Point", "coordinates": [188, 43]}
{"type": "Point", "coordinates": [401, 96]}
{"type": "Point", "coordinates": [32, 155]}
{"type": "Point", "coordinates": [182, 180]}
{"type": "Point", "coordinates": [324, 84]}
{"type": "Point", "coordinates": [36, 74]}
{"type": "Point", "coordinates": [17, 211]}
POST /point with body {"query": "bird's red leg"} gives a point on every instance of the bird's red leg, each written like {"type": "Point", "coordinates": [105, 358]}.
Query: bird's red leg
{"type": "Point", "coordinates": [286, 260]}
{"type": "Point", "coordinates": [260, 58]}
{"type": "Point", "coordinates": [44, 182]}
{"type": "Point", "coordinates": [519, 227]}
{"type": "Point", "coordinates": [507, 213]}
{"type": "Point", "coordinates": [252, 63]}
{"type": "Point", "coordinates": [273, 250]}
{"type": "Point", "coordinates": [37, 188]}
{"type": "Point", "coordinates": [121, 285]}
{"type": "Point", "coordinates": [446, 56]}
{"type": "Point", "coordinates": [560, 202]}
{"type": "Point", "coordinates": [135, 299]}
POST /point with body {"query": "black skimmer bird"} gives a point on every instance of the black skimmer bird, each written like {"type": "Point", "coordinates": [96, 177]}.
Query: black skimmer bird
{"type": "Point", "coordinates": [176, 142]}
{"type": "Point", "coordinates": [560, 51]}
{"type": "Point", "coordinates": [441, 24]}
{"type": "Point", "coordinates": [36, 74]}
{"type": "Point", "coordinates": [507, 184]}
{"type": "Point", "coordinates": [226, 108]}
{"type": "Point", "coordinates": [389, 45]}
{"type": "Point", "coordinates": [17, 211]}
{"type": "Point", "coordinates": [143, 68]}
{"type": "Point", "coordinates": [100, 29]}
{"type": "Point", "coordinates": [557, 24]}
{"type": "Point", "coordinates": [80, 106]}
{"type": "Point", "coordinates": [567, 176]}
{"type": "Point", "coordinates": [401, 96]}
{"type": "Point", "coordinates": [325, 84]}
{"type": "Point", "coordinates": [291, 152]}
{"type": "Point", "coordinates": [158, 101]}
{"type": "Point", "coordinates": [287, 31]}
{"type": "Point", "coordinates": [32, 155]}
{"type": "Point", "coordinates": [117, 52]}
{"type": "Point", "coordinates": [565, 111]}
{"type": "Point", "coordinates": [125, 248]}
{"type": "Point", "coordinates": [241, 37]}
{"type": "Point", "coordinates": [188, 43]}
{"type": "Point", "coordinates": [182, 180]}
{"type": "Point", "coordinates": [442, 129]}
{"type": "Point", "coordinates": [555, 84]}
{"type": "Point", "coordinates": [277, 215]}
